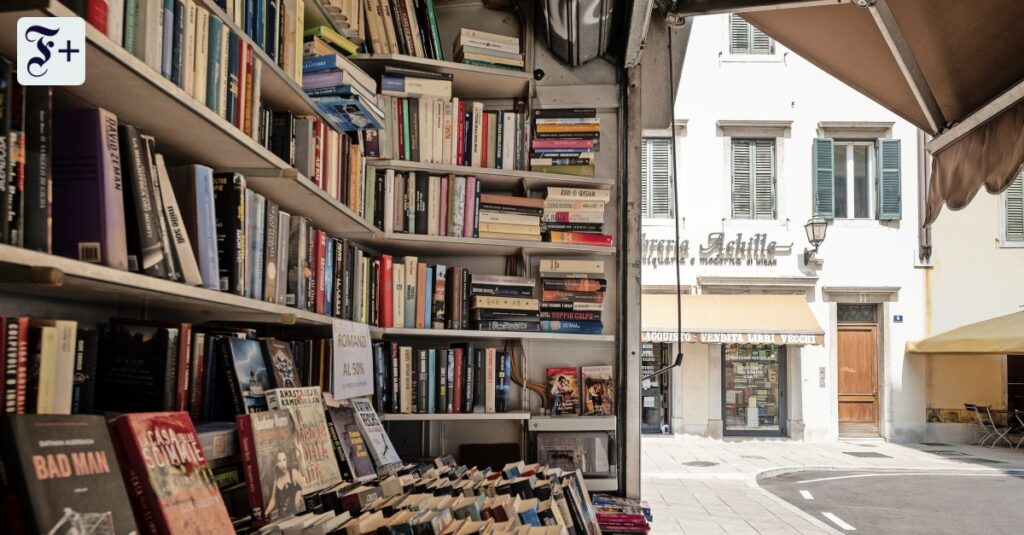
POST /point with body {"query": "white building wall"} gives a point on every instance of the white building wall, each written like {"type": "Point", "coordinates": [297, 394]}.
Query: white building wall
{"type": "Point", "coordinates": [717, 86]}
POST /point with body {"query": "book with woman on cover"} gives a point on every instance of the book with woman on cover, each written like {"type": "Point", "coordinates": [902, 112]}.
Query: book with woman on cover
{"type": "Point", "coordinates": [564, 389]}
{"type": "Point", "coordinates": [274, 468]}
{"type": "Point", "coordinates": [598, 391]}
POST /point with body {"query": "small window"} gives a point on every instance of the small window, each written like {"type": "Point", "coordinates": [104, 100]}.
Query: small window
{"type": "Point", "coordinates": [746, 39]}
{"type": "Point", "coordinates": [753, 179]}
{"type": "Point", "coordinates": [656, 171]}
{"type": "Point", "coordinates": [854, 180]}
{"type": "Point", "coordinates": [1013, 213]}
{"type": "Point", "coordinates": [851, 313]}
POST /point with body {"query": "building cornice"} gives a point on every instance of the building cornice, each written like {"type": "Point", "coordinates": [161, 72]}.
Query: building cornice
{"type": "Point", "coordinates": [753, 128]}
{"type": "Point", "coordinates": [771, 284]}
{"type": "Point", "coordinates": [860, 294]}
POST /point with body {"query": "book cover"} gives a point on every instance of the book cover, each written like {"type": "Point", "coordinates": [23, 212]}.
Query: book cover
{"type": "Point", "coordinates": [564, 391]}
{"type": "Point", "coordinates": [247, 376]}
{"type": "Point", "coordinates": [598, 390]}
{"type": "Point", "coordinates": [270, 251]}
{"type": "Point", "coordinates": [65, 474]}
{"type": "Point", "coordinates": [229, 210]}
{"type": "Point", "coordinates": [280, 363]}
{"type": "Point", "coordinates": [273, 465]}
{"type": "Point", "coordinates": [171, 484]}
{"type": "Point", "coordinates": [376, 437]}
{"type": "Point", "coordinates": [84, 387]}
{"type": "Point", "coordinates": [137, 371]}
{"type": "Point", "coordinates": [144, 243]}
{"type": "Point", "coordinates": [284, 398]}
{"type": "Point", "coordinates": [503, 382]}
{"type": "Point", "coordinates": [193, 188]}
{"type": "Point", "coordinates": [349, 447]}
{"type": "Point", "coordinates": [314, 440]}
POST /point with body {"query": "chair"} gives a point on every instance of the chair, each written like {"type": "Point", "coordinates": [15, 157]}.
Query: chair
{"type": "Point", "coordinates": [978, 424]}
{"type": "Point", "coordinates": [999, 430]}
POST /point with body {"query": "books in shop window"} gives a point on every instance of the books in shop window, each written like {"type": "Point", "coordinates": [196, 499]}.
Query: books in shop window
{"type": "Point", "coordinates": [563, 391]}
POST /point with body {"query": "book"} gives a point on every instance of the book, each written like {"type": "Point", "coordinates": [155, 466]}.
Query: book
{"type": "Point", "coordinates": [64, 472]}
{"type": "Point", "coordinates": [598, 390]}
{"type": "Point", "coordinates": [564, 391]}
{"type": "Point", "coordinates": [247, 378]}
{"type": "Point", "coordinates": [580, 238]}
{"type": "Point", "coordinates": [349, 445]}
{"type": "Point", "coordinates": [229, 209]}
{"type": "Point", "coordinates": [314, 441]}
{"type": "Point", "coordinates": [572, 327]}
{"type": "Point", "coordinates": [377, 439]}
{"type": "Point", "coordinates": [145, 250]}
{"type": "Point", "coordinates": [184, 254]}
{"type": "Point", "coordinates": [54, 357]}
{"type": "Point", "coordinates": [285, 397]}
{"type": "Point", "coordinates": [165, 468]}
{"type": "Point", "coordinates": [138, 368]}
{"type": "Point", "coordinates": [274, 470]}
{"type": "Point", "coordinates": [37, 156]}
{"type": "Point", "coordinates": [280, 363]}
{"type": "Point", "coordinates": [193, 187]}
{"type": "Point", "coordinates": [571, 268]}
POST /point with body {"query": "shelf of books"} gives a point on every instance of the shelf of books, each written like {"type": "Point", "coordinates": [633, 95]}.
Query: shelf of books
{"type": "Point", "coordinates": [455, 417]}
{"type": "Point", "coordinates": [500, 178]}
{"type": "Point", "coordinates": [453, 246]}
{"type": "Point", "coordinates": [468, 81]}
{"type": "Point", "coordinates": [492, 335]}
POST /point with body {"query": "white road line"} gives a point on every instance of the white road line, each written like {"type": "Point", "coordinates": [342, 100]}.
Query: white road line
{"type": "Point", "coordinates": [807, 495]}
{"type": "Point", "coordinates": [903, 474]}
{"type": "Point", "coordinates": [839, 522]}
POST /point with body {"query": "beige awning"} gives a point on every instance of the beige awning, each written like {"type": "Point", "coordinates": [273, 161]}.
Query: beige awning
{"type": "Point", "coordinates": [964, 58]}
{"type": "Point", "coordinates": [731, 319]}
{"type": "Point", "coordinates": [998, 336]}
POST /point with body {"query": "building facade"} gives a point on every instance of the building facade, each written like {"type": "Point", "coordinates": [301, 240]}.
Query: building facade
{"type": "Point", "coordinates": [776, 342]}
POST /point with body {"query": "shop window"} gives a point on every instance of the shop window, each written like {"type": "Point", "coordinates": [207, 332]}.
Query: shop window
{"type": "Point", "coordinates": [753, 179]}
{"type": "Point", "coordinates": [1013, 213]}
{"type": "Point", "coordinates": [656, 172]}
{"type": "Point", "coordinates": [754, 379]}
{"type": "Point", "coordinates": [744, 38]}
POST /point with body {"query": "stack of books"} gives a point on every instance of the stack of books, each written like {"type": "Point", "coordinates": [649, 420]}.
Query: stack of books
{"type": "Point", "coordinates": [572, 296]}
{"type": "Point", "coordinates": [517, 314]}
{"type": "Point", "coordinates": [565, 140]}
{"type": "Point", "coordinates": [622, 516]}
{"type": "Point", "coordinates": [575, 215]}
{"type": "Point", "coordinates": [504, 319]}
{"type": "Point", "coordinates": [343, 93]}
{"type": "Point", "coordinates": [483, 49]}
{"type": "Point", "coordinates": [347, 16]}
{"type": "Point", "coordinates": [506, 217]}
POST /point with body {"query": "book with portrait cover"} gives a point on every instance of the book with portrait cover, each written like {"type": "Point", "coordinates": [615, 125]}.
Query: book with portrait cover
{"type": "Point", "coordinates": [564, 391]}
{"type": "Point", "coordinates": [349, 446]}
{"type": "Point", "coordinates": [321, 468]}
{"type": "Point", "coordinates": [598, 391]}
{"type": "Point", "coordinates": [274, 469]}
{"type": "Point", "coordinates": [247, 376]}
{"type": "Point", "coordinates": [65, 475]}
{"type": "Point", "coordinates": [170, 483]}
{"type": "Point", "coordinates": [281, 363]}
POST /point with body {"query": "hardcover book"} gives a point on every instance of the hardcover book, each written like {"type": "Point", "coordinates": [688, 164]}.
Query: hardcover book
{"type": "Point", "coordinates": [564, 391]}
{"type": "Point", "coordinates": [274, 469]}
{"type": "Point", "coordinates": [172, 488]}
{"type": "Point", "coordinates": [283, 398]}
{"type": "Point", "coordinates": [65, 474]}
{"type": "Point", "coordinates": [598, 390]}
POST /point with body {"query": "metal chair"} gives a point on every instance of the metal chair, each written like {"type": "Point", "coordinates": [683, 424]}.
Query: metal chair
{"type": "Point", "coordinates": [999, 430]}
{"type": "Point", "coordinates": [978, 424]}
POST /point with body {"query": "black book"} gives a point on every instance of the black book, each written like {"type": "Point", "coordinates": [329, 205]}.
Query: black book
{"type": "Point", "coordinates": [518, 325]}
{"type": "Point", "coordinates": [500, 290]}
{"type": "Point", "coordinates": [422, 381]}
{"type": "Point", "coordinates": [270, 29]}
{"type": "Point", "coordinates": [414, 134]}
{"type": "Point", "coordinates": [403, 30]}
{"type": "Point", "coordinates": [374, 291]}
{"type": "Point", "coordinates": [177, 47]}
{"type": "Point", "coordinates": [137, 368]}
{"type": "Point", "coordinates": [590, 228]}
{"type": "Point", "coordinates": [479, 384]}
{"type": "Point", "coordinates": [420, 203]}
{"type": "Point", "coordinates": [14, 199]}
{"type": "Point", "coordinates": [423, 21]}
{"type": "Point", "coordinates": [270, 256]}
{"type": "Point", "coordinates": [503, 315]}
{"type": "Point", "coordinates": [467, 133]}
{"type": "Point", "coordinates": [568, 135]}
{"type": "Point", "coordinates": [6, 180]}
{"type": "Point", "coordinates": [65, 474]}
{"type": "Point", "coordinates": [378, 200]}
{"type": "Point", "coordinates": [282, 136]}
{"type": "Point", "coordinates": [464, 297]}
{"type": "Point", "coordinates": [229, 206]}
{"type": "Point", "coordinates": [246, 374]}
{"type": "Point", "coordinates": [171, 263]}
{"type": "Point", "coordinates": [393, 379]}
{"type": "Point", "coordinates": [502, 381]}
{"type": "Point", "coordinates": [310, 268]}
{"type": "Point", "coordinates": [340, 268]}
{"type": "Point", "coordinates": [506, 209]}
{"type": "Point", "coordinates": [348, 275]}
{"type": "Point", "coordinates": [145, 250]}
{"type": "Point", "coordinates": [565, 113]}
{"type": "Point", "coordinates": [417, 73]}
{"type": "Point", "coordinates": [381, 363]}
{"type": "Point", "coordinates": [84, 387]}
{"type": "Point", "coordinates": [38, 130]}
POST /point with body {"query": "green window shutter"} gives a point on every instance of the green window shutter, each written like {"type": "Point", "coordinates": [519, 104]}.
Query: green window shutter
{"type": "Point", "coordinates": [1013, 219]}
{"type": "Point", "coordinates": [764, 179]}
{"type": "Point", "coordinates": [823, 159]}
{"type": "Point", "coordinates": [889, 191]}
{"type": "Point", "coordinates": [742, 205]}
{"type": "Point", "coordinates": [739, 35]}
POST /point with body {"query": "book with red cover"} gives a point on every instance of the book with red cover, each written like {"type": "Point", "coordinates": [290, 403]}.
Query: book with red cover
{"type": "Point", "coordinates": [96, 14]}
{"type": "Point", "coordinates": [320, 263]}
{"type": "Point", "coordinates": [15, 364]}
{"type": "Point", "coordinates": [457, 380]}
{"type": "Point", "coordinates": [170, 484]}
{"type": "Point", "coordinates": [273, 466]}
{"type": "Point", "coordinates": [385, 308]}
{"type": "Point", "coordinates": [564, 391]}
{"type": "Point", "coordinates": [575, 285]}
{"type": "Point", "coordinates": [580, 238]}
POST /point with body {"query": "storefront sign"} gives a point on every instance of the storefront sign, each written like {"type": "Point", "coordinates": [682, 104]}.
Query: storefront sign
{"type": "Point", "coordinates": [717, 250]}
{"type": "Point", "coordinates": [733, 338]}
{"type": "Point", "coordinates": [353, 360]}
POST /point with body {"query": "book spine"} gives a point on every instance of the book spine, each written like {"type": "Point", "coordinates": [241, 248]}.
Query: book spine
{"type": "Point", "coordinates": [435, 33]}
{"type": "Point", "coordinates": [227, 362]}
{"type": "Point", "coordinates": [394, 379]}
{"type": "Point", "coordinates": [167, 53]}
{"type": "Point", "coordinates": [421, 381]}
{"type": "Point", "coordinates": [134, 472]}
{"type": "Point", "coordinates": [457, 380]}
{"type": "Point", "coordinates": [503, 382]}
{"type": "Point", "coordinates": [247, 445]}
{"type": "Point", "coordinates": [37, 123]}
{"type": "Point", "coordinates": [572, 327]}
{"type": "Point", "coordinates": [490, 363]}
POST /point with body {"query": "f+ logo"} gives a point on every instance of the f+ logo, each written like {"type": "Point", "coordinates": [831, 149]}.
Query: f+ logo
{"type": "Point", "coordinates": [51, 51]}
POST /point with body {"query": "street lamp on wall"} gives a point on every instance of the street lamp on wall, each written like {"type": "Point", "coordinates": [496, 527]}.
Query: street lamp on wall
{"type": "Point", "coordinates": [815, 229]}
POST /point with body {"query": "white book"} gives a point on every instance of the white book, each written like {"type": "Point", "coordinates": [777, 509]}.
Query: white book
{"type": "Point", "coordinates": [239, 12]}
{"type": "Point", "coordinates": [257, 70]}
{"type": "Point", "coordinates": [284, 222]}
{"type": "Point", "coordinates": [434, 206]}
{"type": "Point", "coordinates": [447, 125]}
{"type": "Point", "coordinates": [115, 21]}
{"type": "Point", "coordinates": [202, 46]}
{"type": "Point", "coordinates": [300, 25]}
{"type": "Point", "coordinates": [56, 365]}
{"type": "Point", "coordinates": [176, 228]}
{"type": "Point", "coordinates": [585, 267]}
{"type": "Point", "coordinates": [454, 156]}
{"type": "Point", "coordinates": [411, 266]}
{"type": "Point", "coordinates": [405, 379]}
{"type": "Point", "coordinates": [490, 356]}
{"type": "Point", "coordinates": [423, 129]}
{"type": "Point", "coordinates": [398, 296]}
{"type": "Point", "coordinates": [222, 99]}
{"type": "Point", "coordinates": [578, 194]}
{"type": "Point", "coordinates": [508, 141]}
{"type": "Point", "coordinates": [415, 29]}
{"type": "Point", "coordinates": [459, 210]}
{"type": "Point", "coordinates": [478, 148]}
{"type": "Point", "coordinates": [149, 33]}
{"type": "Point", "coordinates": [288, 39]}
{"type": "Point", "coordinates": [188, 40]}
{"type": "Point", "coordinates": [438, 131]}
{"type": "Point", "coordinates": [467, 33]}
{"type": "Point", "coordinates": [389, 200]}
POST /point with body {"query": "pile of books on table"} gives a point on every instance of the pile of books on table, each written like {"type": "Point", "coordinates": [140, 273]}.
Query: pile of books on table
{"type": "Point", "coordinates": [483, 49]}
{"type": "Point", "coordinates": [565, 140]}
{"type": "Point", "coordinates": [622, 515]}
{"type": "Point", "coordinates": [572, 296]}
{"type": "Point", "coordinates": [507, 217]}
{"type": "Point", "coordinates": [575, 215]}
{"type": "Point", "coordinates": [343, 93]}
{"type": "Point", "coordinates": [504, 303]}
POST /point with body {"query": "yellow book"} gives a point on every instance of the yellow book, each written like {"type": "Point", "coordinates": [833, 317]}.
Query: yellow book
{"type": "Point", "coordinates": [332, 37]}
{"type": "Point", "coordinates": [551, 128]}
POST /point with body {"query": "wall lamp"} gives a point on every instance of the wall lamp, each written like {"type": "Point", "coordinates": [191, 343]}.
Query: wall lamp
{"type": "Point", "coordinates": [815, 229]}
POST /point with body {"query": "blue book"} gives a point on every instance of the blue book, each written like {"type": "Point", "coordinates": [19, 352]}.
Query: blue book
{"type": "Point", "coordinates": [177, 47]}
{"type": "Point", "coordinates": [250, 18]}
{"type": "Point", "coordinates": [193, 187]}
{"type": "Point", "coordinates": [528, 514]}
{"type": "Point", "coordinates": [572, 327]}
{"type": "Point", "coordinates": [431, 381]}
{"type": "Point", "coordinates": [499, 138]}
{"type": "Point", "coordinates": [325, 62]}
{"type": "Point", "coordinates": [260, 23]}
{"type": "Point", "coordinates": [213, 64]}
{"type": "Point", "coordinates": [231, 114]}
{"type": "Point", "coordinates": [167, 53]}
{"type": "Point", "coordinates": [329, 276]}
{"type": "Point", "coordinates": [502, 383]}
{"type": "Point", "coordinates": [348, 114]}
{"type": "Point", "coordinates": [428, 292]}
{"type": "Point", "coordinates": [272, 22]}
{"type": "Point", "coordinates": [342, 90]}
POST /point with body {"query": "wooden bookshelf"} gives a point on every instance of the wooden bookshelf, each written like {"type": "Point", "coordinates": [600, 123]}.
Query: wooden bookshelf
{"type": "Point", "coordinates": [499, 178]}
{"type": "Point", "coordinates": [465, 334]}
{"type": "Point", "coordinates": [461, 417]}
{"type": "Point", "coordinates": [469, 81]}
{"type": "Point", "coordinates": [402, 244]}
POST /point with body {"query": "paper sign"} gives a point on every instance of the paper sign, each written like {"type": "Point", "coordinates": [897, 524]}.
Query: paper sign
{"type": "Point", "coordinates": [353, 360]}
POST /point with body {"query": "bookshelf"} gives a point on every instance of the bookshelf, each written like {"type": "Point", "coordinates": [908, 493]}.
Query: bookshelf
{"type": "Point", "coordinates": [572, 423]}
{"type": "Point", "coordinates": [402, 244]}
{"type": "Point", "coordinates": [463, 417]}
{"type": "Point", "coordinates": [492, 335]}
{"type": "Point", "coordinates": [470, 81]}
{"type": "Point", "coordinates": [500, 179]}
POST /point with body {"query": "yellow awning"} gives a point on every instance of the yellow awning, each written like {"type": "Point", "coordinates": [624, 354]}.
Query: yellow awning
{"type": "Point", "coordinates": [731, 319]}
{"type": "Point", "coordinates": [997, 336]}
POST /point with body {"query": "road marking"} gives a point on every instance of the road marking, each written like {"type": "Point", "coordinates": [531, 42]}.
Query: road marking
{"type": "Point", "coordinates": [807, 495]}
{"type": "Point", "coordinates": [948, 474]}
{"type": "Point", "coordinates": [839, 522]}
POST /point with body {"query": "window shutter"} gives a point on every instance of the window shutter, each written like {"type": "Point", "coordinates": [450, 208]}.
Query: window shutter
{"type": "Point", "coordinates": [741, 179]}
{"type": "Point", "coordinates": [1014, 210]}
{"type": "Point", "coordinates": [889, 202]}
{"type": "Point", "coordinates": [655, 169]}
{"type": "Point", "coordinates": [764, 179]}
{"type": "Point", "coordinates": [739, 35]}
{"type": "Point", "coordinates": [823, 159]}
{"type": "Point", "coordinates": [645, 179]}
{"type": "Point", "coordinates": [761, 43]}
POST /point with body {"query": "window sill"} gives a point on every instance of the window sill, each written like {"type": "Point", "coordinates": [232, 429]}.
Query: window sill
{"type": "Point", "coordinates": [727, 57]}
{"type": "Point", "coordinates": [1011, 244]}
{"type": "Point", "coordinates": [756, 223]}
{"type": "Point", "coordinates": [857, 223]}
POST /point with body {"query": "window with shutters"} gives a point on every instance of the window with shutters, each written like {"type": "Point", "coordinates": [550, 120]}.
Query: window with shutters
{"type": "Point", "coordinates": [656, 171]}
{"type": "Point", "coordinates": [753, 179]}
{"type": "Point", "coordinates": [746, 39]}
{"type": "Point", "coordinates": [857, 179]}
{"type": "Point", "coordinates": [1013, 213]}
{"type": "Point", "coordinates": [854, 180]}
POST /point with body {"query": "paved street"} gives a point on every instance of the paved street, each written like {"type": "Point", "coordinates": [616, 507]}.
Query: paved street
{"type": "Point", "coordinates": [702, 486]}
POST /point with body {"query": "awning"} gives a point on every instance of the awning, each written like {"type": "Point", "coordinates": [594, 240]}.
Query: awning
{"type": "Point", "coordinates": [997, 336]}
{"type": "Point", "coordinates": [731, 319]}
{"type": "Point", "coordinates": [951, 67]}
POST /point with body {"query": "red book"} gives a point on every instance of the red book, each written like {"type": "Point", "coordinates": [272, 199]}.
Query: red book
{"type": "Point", "coordinates": [244, 63]}
{"type": "Point", "coordinates": [457, 380]}
{"type": "Point", "coordinates": [169, 481]}
{"type": "Point", "coordinates": [96, 14]}
{"type": "Point", "coordinates": [385, 293]}
{"type": "Point", "coordinates": [15, 364]}
{"type": "Point", "coordinates": [580, 238]}
{"type": "Point", "coordinates": [484, 131]}
{"type": "Point", "coordinates": [320, 261]}
{"type": "Point", "coordinates": [400, 118]}
{"type": "Point", "coordinates": [584, 144]}
{"type": "Point", "coordinates": [198, 374]}
{"type": "Point", "coordinates": [460, 147]}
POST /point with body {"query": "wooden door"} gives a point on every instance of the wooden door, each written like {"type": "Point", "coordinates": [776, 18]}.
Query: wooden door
{"type": "Point", "coordinates": [858, 380]}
